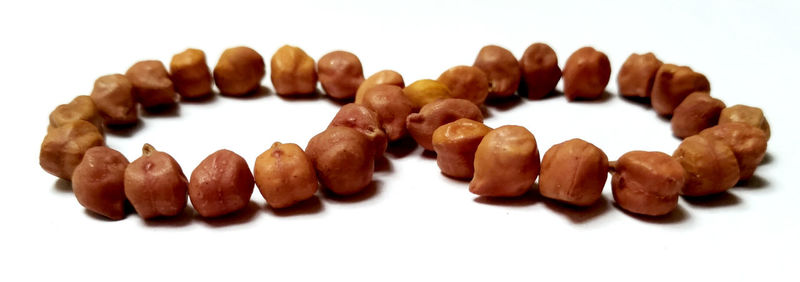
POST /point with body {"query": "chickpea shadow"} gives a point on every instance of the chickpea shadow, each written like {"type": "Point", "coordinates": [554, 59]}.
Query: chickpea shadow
{"type": "Point", "coordinates": [308, 206]}
{"type": "Point", "coordinates": [383, 164]}
{"type": "Point", "coordinates": [529, 198]}
{"type": "Point", "coordinates": [244, 215]}
{"type": "Point", "coordinates": [428, 155]}
{"type": "Point", "coordinates": [504, 103]}
{"type": "Point", "coordinates": [676, 216]}
{"type": "Point", "coordinates": [522, 91]}
{"type": "Point", "coordinates": [307, 97]}
{"type": "Point", "coordinates": [62, 186]}
{"type": "Point", "coordinates": [643, 102]}
{"type": "Point", "coordinates": [337, 101]}
{"type": "Point", "coordinates": [463, 180]}
{"type": "Point", "coordinates": [723, 199]}
{"type": "Point", "coordinates": [579, 214]}
{"type": "Point", "coordinates": [98, 217]}
{"type": "Point", "coordinates": [768, 159]}
{"type": "Point", "coordinates": [754, 183]}
{"type": "Point", "coordinates": [164, 111]}
{"type": "Point", "coordinates": [180, 220]}
{"type": "Point", "coordinates": [259, 93]}
{"type": "Point", "coordinates": [368, 192]}
{"type": "Point", "coordinates": [401, 147]}
{"type": "Point", "coordinates": [207, 99]}
{"type": "Point", "coordinates": [604, 97]}
{"type": "Point", "coordinates": [125, 130]}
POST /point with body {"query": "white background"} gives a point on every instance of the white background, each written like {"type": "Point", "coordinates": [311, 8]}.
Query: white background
{"type": "Point", "coordinates": [415, 224]}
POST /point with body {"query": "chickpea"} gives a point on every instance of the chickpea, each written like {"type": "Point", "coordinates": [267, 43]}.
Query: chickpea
{"type": "Point", "coordinates": [647, 183]}
{"type": "Point", "coordinates": [540, 71]}
{"type": "Point", "coordinates": [697, 112]}
{"type": "Point", "coordinates": [586, 74]}
{"type": "Point", "coordinates": [190, 74]}
{"type": "Point", "coordinates": [574, 172]}
{"type": "Point", "coordinates": [501, 68]}
{"type": "Point", "coordinates": [239, 71]}
{"type": "Point", "coordinates": [343, 159]}
{"type": "Point", "coordinates": [421, 125]}
{"type": "Point", "coordinates": [378, 78]}
{"type": "Point", "coordinates": [747, 142]}
{"type": "Point", "coordinates": [392, 107]}
{"type": "Point", "coordinates": [151, 84]}
{"type": "Point", "coordinates": [366, 121]}
{"type": "Point", "coordinates": [636, 76]}
{"type": "Point", "coordinates": [466, 82]}
{"type": "Point", "coordinates": [63, 147]}
{"type": "Point", "coordinates": [113, 96]}
{"type": "Point", "coordinates": [672, 84]}
{"type": "Point", "coordinates": [80, 108]}
{"type": "Point", "coordinates": [425, 91]}
{"type": "Point", "coordinates": [155, 184]}
{"type": "Point", "coordinates": [221, 184]}
{"type": "Point", "coordinates": [455, 144]}
{"type": "Point", "coordinates": [710, 164]}
{"type": "Point", "coordinates": [340, 73]}
{"type": "Point", "coordinates": [745, 114]}
{"type": "Point", "coordinates": [293, 72]}
{"type": "Point", "coordinates": [506, 163]}
{"type": "Point", "coordinates": [285, 175]}
{"type": "Point", "coordinates": [98, 182]}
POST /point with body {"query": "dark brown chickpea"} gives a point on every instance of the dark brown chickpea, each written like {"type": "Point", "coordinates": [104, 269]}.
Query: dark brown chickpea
{"type": "Point", "coordinates": [285, 175]}
{"type": "Point", "coordinates": [647, 183]}
{"type": "Point", "coordinates": [293, 72]}
{"type": "Point", "coordinates": [586, 74]}
{"type": "Point", "coordinates": [421, 125]}
{"type": "Point", "coordinates": [221, 184]}
{"type": "Point", "coordinates": [63, 147]}
{"type": "Point", "coordinates": [672, 84]}
{"type": "Point", "coordinates": [711, 167]}
{"type": "Point", "coordinates": [466, 82]}
{"type": "Point", "coordinates": [151, 84]}
{"type": "Point", "coordinates": [340, 73]}
{"type": "Point", "coordinates": [113, 96]}
{"type": "Point", "coordinates": [697, 112]}
{"type": "Point", "coordinates": [80, 108]}
{"type": "Point", "coordinates": [378, 78]}
{"type": "Point", "coordinates": [636, 76]}
{"type": "Point", "coordinates": [190, 74]}
{"type": "Point", "coordinates": [343, 159]}
{"type": "Point", "coordinates": [747, 142]}
{"type": "Point", "coordinates": [501, 68]}
{"type": "Point", "coordinates": [366, 121]}
{"type": "Point", "coordinates": [573, 172]}
{"type": "Point", "coordinates": [99, 182]}
{"type": "Point", "coordinates": [745, 114]}
{"type": "Point", "coordinates": [540, 71]}
{"type": "Point", "coordinates": [506, 163]}
{"type": "Point", "coordinates": [155, 184]}
{"type": "Point", "coordinates": [392, 107]}
{"type": "Point", "coordinates": [455, 144]}
{"type": "Point", "coordinates": [239, 71]}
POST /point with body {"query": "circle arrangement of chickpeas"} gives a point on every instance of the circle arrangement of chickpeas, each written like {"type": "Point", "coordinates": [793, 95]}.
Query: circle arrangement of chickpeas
{"type": "Point", "coordinates": [721, 146]}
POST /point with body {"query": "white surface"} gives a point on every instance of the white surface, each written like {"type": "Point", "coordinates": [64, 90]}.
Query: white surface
{"type": "Point", "coordinates": [417, 225]}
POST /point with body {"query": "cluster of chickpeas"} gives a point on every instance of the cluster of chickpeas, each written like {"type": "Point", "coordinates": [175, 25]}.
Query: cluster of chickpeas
{"type": "Point", "coordinates": [722, 145]}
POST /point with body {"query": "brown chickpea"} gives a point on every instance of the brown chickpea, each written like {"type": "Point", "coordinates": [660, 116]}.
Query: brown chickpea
{"type": "Point", "coordinates": [710, 165]}
{"type": "Point", "coordinates": [343, 159]}
{"type": "Point", "coordinates": [293, 72]}
{"type": "Point", "coordinates": [378, 78]}
{"type": "Point", "coordinates": [113, 96]}
{"type": "Point", "coordinates": [672, 84]}
{"type": "Point", "coordinates": [221, 184]}
{"type": "Point", "coordinates": [63, 147]}
{"type": "Point", "coordinates": [636, 76]}
{"type": "Point", "coordinates": [586, 74]}
{"type": "Point", "coordinates": [285, 175]}
{"type": "Point", "coordinates": [190, 74]}
{"type": "Point", "coordinates": [647, 183]}
{"type": "Point", "coordinates": [421, 125]}
{"type": "Point", "coordinates": [455, 144]}
{"type": "Point", "coordinates": [239, 71]}
{"type": "Point", "coordinates": [506, 163]}
{"type": "Point", "coordinates": [151, 84]}
{"type": "Point", "coordinates": [573, 172]}
{"type": "Point", "coordinates": [425, 91]}
{"type": "Point", "coordinates": [501, 68]}
{"type": "Point", "coordinates": [747, 142]}
{"type": "Point", "coordinates": [80, 108]}
{"type": "Point", "coordinates": [697, 112]}
{"type": "Point", "coordinates": [745, 114]}
{"type": "Point", "coordinates": [392, 107]}
{"type": "Point", "coordinates": [99, 182]}
{"type": "Point", "coordinates": [366, 121]}
{"type": "Point", "coordinates": [466, 82]}
{"type": "Point", "coordinates": [155, 184]}
{"type": "Point", "coordinates": [540, 71]}
{"type": "Point", "coordinates": [340, 73]}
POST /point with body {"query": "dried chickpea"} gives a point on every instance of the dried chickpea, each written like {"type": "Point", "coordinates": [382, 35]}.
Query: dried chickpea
{"type": "Point", "coordinates": [343, 159]}
{"type": "Point", "coordinates": [421, 125]}
{"type": "Point", "coordinates": [647, 183]}
{"type": "Point", "coordinates": [425, 91]}
{"type": "Point", "coordinates": [151, 84]}
{"type": "Point", "coordinates": [80, 108]}
{"type": "Point", "coordinates": [586, 74]}
{"type": "Point", "coordinates": [190, 74]}
{"type": "Point", "coordinates": [221, 184]}
{"type": "Point", "coordinates": [239, 71]}
{"type": "Point", "coordinates": [745, 114]}
{"type": "Point", "coordinates": [113, 97]}
{"type": "Point", "coordinates": [455, 144]}
{"type": "Point", "coordinates": [63, 147]}
{"type": "Point", "coordinates": [340, 73]}
{"type": "Point", "coordinates": [540, 71]}
{"type": "Point", "coordinates": [506, 163]}
{"type": "Point", "coordinates": [378, 78]}
{"type": "Point", "coordinates": [710, 165]}
{"type": "Point", "coordinates": [697, 112]}
{"type": "Point", "coordinates": [747, 142]}
{"type": "Point", "coordinates": [636, 76]}
{"type": "Point", "coordinates": [466, 82]}
{"type": "Point", "coordinates": [573, 172]}
{"type": "Point", "coordinates": [672, 84]}
{"type": "Point", "coordinates": [366, 121]}
{"type": "Point", "coordinates": [392, 107]}
{"type": "Point", "coordinates": [293, 71]}
{"type": "Point", "coordinates": [501, 68]}
{"type": "Point", "coordinates": [285, 175]}
{"type": "Point", "coordinates": [155, 184]}
{"type": "Point", "coordinates": [99, 182]}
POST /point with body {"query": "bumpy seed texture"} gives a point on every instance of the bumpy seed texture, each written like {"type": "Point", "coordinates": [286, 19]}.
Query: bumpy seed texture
{"type": "Point", "coordinates": [285, 175]}
{"type": "Point", "coordinates": [155, 184]}
{"type": "Point", "coordinates": [466, 82]}
{"type": "Point", "coordinates": [99, 182]}
{"type": "Point", "coordinates": [574, 172]}
{"type": "Point", "coordinates": [425, 91]}
{"type": "Point", "coordinates": [221, 184]}
{"type": "Point", "coordinates": [366, 121]}
{"type": "Point", "coordinates": [421, 125]}
{"type": "Point", "coordinates": [501, 68]}
{"type": "Point", "coordinates": [586, 74]}
{"type": "Point", "coordinates": [455, 144]}
{"type": "Point", "coordinates": [378, 78]}
{"type": "Point", "coordinates": [392, 107]}
{"type": "Point", "coordinates": [697, 112]}
{"type": "Point", "coordinates": [672, 84]}
{"type": "Point", "coordinates": [747, 142]}
{"type": "Point", "coordinates": [506, 163]}
{"type": "Point", "coordinates": [239, 71]}
{"type": "Point", "coordinates": [63, 147]}
{"type": "Point", "coordinates": [745, 114]}
{"type": "Point", "coordinates": [647, 183]}
{"type": "Point", "coordinates": [340, 73]}
{"type": "Point", "coordinates": [636, 76]}
{"type": "Point", "coordinates": [113, 96]}
{"type": "Point", "coordinates": [190, 74]}
{"type": "Point", "coordinates": [343, 159]}
{"type": "Point", "coordinates": [293, 71]}
{"type": "Point", "coordinates": [151, 84]}
{"type": "Point", "coordinates": [710, 165]}
{"type": "Point", "coordinates": [80, 108]}
{"type": "Point", "coordinates": [540, 71]}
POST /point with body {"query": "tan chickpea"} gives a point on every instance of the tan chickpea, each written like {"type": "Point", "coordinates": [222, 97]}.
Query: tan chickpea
{"type": "Point", "coordinates": [501, 68]}
{"type": "Point", "coordinates": [747, 142]}
{"type": "Point", "coordinates": [636, 76]}
{"type": "Point", "coordinates": [99, 182]}
{"type": "Point", "coordinates": [745, 114]}
{"type": "Point", "coordinates": [540, 72]}
{"type": "Point", "coordinates": [647, 183]}
{"type": "Point", "coordinates": [392, 107]}
{"type": "Point", "coordinates": [190, 74]}
{"type": "Point", "coordinates": [340, 73]}
{"type": "Point", "coordinates": [113, 96]}
{"type": "Point", "coordinates": [221, 184]}
{"type": "Point", "coordinates": [343, 159]}
{"type": "Point", "coordinates": [672, 84]}
{"type": "Point", "coordinates": [466, 82]}
{"type": "Point", "coordinates": [586, 74]}
{"type": "Point", "coordinates": [366, 121]}
{"type": "Point", "coordinates": [711, 167]}
{"type": "Point", "coordinates": [293, 72]}
{"type": "Point", "coordinates": [80, 108]}
{"type": "Point", "coordinates": [506, 163]}
{"type": "Point", "coordinates": [425, 91]}
{"type": "Point", "coordinates": [63, 147]}
{"type": "Point", "coordinates": [573, 172]}
{"type": "Point", "coordinates": [285, 175]}
{"type": "Point", "coordinates": [697, 112]}
{"type": "Point", "coordinates": [421, 125]}
{"type": "Point", "coordinates": [151, 84]}
{"type": "Point", "coordinates": [455, 144]}
{"type": "Point", "coordinates": [378, 78]}
{"type": "Point", "coordinates": [239, 71]}
{"type": "Point", "coordinates": [155, 184]}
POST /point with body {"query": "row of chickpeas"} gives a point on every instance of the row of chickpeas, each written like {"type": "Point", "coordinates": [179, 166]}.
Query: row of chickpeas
{"type": "Point", "coordinates": [724, 145]}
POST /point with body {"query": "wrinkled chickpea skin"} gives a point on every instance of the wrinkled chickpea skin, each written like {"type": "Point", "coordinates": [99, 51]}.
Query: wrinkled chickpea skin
{"type": "Point", "coordinates": [425, 91]}
{"type": "Point", "coordinates": [711, 167]}
{"type": "Point", "coordinates": [155, 184]}
{"type": "Point", "coordinates": [747, 142]}
{"type": "Point", "coordinates": [506, 163]}
{"type": "Point", "coordinates": [366, 121]}
{"type": "Point", "coordinates": [501, 68]}
{"type": "Point", "coordinates": [586, 74]}
{"type": "Point", "coordinates": [466, 82]}
{"type": "Point", "coordinates": [293, 72]}
{"type": "Point", "coordinates": [421, 125]}
{"type": "Point", "coordinates": [745, 114]}
{"type": "Point", "coordinates": [343, 159]}
{"type": "Point", "coordinates": [99, 182]}
{"type": "Point", "coordinates": [190, 74]}
{"type": "Point", "coordinates": [285, 175]}
{"type": "Point", "coordinates": [340, 73]}
{"type": "Point", "coordinates": [697, 112]}
{"type": "Point", "coordinates": [382, 77]}
{"type": "Point", "coordinates": [152, 86]}
{"type": "Point", "coordinates": [647, 183]}
{"type": "Point", "coordinates": [540, 72]}
{"type": "Point", "coordinates": [239, 71]}
{"type": "Point", "coordinates": [63, 147]}
{"type": "Point", "coordinates": [672, 84]}
{"type": "Point", "coordinates": [392, 107]}
{"type": "Point", "coordinates": [113, 96]}
{"type": "Point", "coordinates": [636, 76]}
{"type": "Point", "coordinates": [455, 144]}
{"type": "Point", "coordinates": [80, 108]}
{"type": "Point", "coordinates": [221, 184]}
{"type": "Point", "coordinates": [573, 172]}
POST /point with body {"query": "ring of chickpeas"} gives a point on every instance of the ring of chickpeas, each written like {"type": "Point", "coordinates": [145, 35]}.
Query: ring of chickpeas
{"type": "Point", "coordinates": [722, 145]}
